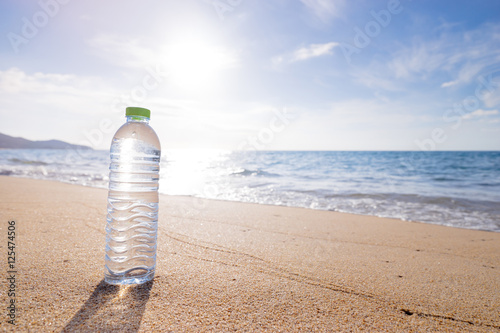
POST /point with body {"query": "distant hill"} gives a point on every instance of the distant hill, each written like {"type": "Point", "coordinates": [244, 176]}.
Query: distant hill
{"type": "Point", "coordinates": [11, 142]}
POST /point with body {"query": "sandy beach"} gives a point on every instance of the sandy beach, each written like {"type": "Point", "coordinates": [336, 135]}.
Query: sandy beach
{"type": "Point", "coordinates": [227, 266]}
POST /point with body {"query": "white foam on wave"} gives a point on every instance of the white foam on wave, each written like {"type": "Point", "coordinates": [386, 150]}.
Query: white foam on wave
{"type": "Point", "coordinates": [455, 189]}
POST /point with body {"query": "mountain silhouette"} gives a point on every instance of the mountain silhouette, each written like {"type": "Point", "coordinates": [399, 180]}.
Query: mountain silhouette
{"type": "Point", "coordinates": [10, 142]}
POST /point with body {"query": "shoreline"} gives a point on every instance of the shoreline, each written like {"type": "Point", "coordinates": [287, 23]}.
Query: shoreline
{"type": "Point", "coordinates": [194, 198]}
{"type": "Point", "coordinates": [240, 266]}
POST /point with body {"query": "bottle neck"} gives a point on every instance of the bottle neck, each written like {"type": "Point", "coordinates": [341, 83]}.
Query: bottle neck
{"type": "Point", "coordinates": [137, 119]}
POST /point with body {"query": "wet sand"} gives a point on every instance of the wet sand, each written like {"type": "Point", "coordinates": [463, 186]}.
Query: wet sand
{"type": "Point", "coordinates": [226, 266]}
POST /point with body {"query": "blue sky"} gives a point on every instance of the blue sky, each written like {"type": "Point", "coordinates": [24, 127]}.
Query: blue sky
{"type": "Point", "coordinates": [241, 74]}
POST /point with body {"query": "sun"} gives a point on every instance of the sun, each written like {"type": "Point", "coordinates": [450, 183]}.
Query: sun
{"type": "Point", "coordinates": [195, 65]}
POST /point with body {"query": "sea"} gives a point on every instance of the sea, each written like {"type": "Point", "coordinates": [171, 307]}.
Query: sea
{"type": "Point", "coordinates": [451, 188]}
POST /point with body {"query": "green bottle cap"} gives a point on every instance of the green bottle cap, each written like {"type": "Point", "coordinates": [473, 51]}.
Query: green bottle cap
{"type": "Point", "coordinates": [135, 111]}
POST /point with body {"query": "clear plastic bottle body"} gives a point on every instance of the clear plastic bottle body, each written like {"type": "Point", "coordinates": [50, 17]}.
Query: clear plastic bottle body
{"type": "Point", "coordinates": [132, 219]}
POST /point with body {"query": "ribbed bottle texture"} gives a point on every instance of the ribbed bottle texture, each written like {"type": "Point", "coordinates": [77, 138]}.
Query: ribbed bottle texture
{"type": "Point", "coordinates": [132, 219]}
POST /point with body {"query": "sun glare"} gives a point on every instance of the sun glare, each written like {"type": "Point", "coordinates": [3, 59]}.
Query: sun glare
{"type": "Point", "coordinates": [197, 65]}
{"type": "Point", "coordinates": [185, 171]}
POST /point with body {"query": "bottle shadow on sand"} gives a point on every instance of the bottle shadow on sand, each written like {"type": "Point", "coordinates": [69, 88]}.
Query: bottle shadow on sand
{"type": "Point", "coordinates": [112, 308]}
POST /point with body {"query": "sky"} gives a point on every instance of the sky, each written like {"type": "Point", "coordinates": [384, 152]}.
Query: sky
{"type": "Point", "coordinates": [255, 75]}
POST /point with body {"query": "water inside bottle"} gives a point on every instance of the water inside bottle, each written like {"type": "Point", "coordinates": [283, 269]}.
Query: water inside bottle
{"type": "Point", "coordinates": [132, 219]}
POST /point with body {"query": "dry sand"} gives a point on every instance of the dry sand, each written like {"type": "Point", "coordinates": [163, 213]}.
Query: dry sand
{"type": "Point", "coordinates": [225, 266]}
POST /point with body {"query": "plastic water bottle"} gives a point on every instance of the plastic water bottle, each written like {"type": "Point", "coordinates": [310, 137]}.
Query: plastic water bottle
{"type": "Point", "coordinates": [132, 220]}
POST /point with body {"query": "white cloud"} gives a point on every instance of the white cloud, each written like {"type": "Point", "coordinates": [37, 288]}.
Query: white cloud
{"type": "Point", "coordinates": [372, 80]}
{"type": "Point", "coordinates": [479, 113]}
{"type": "Point", "coordinates": [305, 53]}
{"type": "Point", "coordinates": [492, 99]}
{"type": "Point", "coordinates": [419, 59]}
{"type": "Point", "coordinates": [313, 50]}
{"type": "Point", "coordinates": [469, 71]}
{"type": "Point", "coordinates": [449, 84]}
{"type": "Point", "coordinates": [14, 81]}
{"type": "Point", "coordinates": [325, 10]}
{"type": "Point", "coordinates": [460, 56]}
{"type": "Point", "coordinates": [72, 108]}
{"type": "Point", "coordinates": [122, 51]}
{"type": "Point", "coordinates": [47, 106]}
{"type": "Point", "coordinates": [355, 124]}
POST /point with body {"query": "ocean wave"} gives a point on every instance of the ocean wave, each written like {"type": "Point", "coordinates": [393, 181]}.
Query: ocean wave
{"type": "Point", "coordinates": [445, 179]}
{"type": "Point", "coordinates": [488, 184]}
{"type": "Point", "coordinates": [447, 188]}
{"type": "Point", "coordinates": [254, 173]}
{"type": "Point", "coordinates": [454, 202]}
{"type": "Point", "coordinates": [26, 162]}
